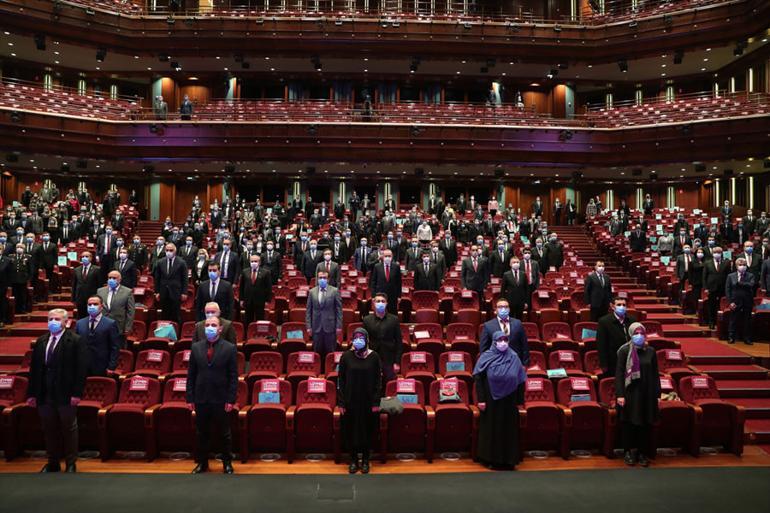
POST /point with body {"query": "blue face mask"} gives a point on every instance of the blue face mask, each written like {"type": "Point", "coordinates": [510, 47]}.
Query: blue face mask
{"type": "Point", "coordinates": [501, 345]}
{"type": "Point", "coordinates": [503, 312]}
{"type": "Point", "coordinates": [380, 307]}
{"type": "Point", "coordinates": [211, 333]}
{"type": "Point", "coordinates": [359, 344]}
{"type": "Point", "coordinates": [85, 260]}
{"type": "Point", "coordinates": [213, 275]}
{"type": "Point", "coordinates": [93, 310]}
{"type": "Point", "coordinates": [638, 339]}
{"type": "Point", "coordinates": [54, 326]}
{"type": "Point", "coordinates": [620, 310]}
{"type": "Point", "coordinates": [749, 250]}
{"type": "Point", "coordinates": [322, 282]}
{"type": "Point", "coordinates": [112, 282]}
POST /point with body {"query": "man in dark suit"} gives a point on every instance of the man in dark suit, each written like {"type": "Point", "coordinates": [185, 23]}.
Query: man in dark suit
{"type": "Point", "coordinates": [118, 304]}
{"type": "Point", "coordinates": [438, 259]}
{"type": "Point", "coordinates": [715, 273]}
{"type": "Point", "coordinates": [753, 260]}
{"type": "Point", "coordinates": [540, 255]}
{"type": "Point", "coordinates": [517, 338]}
{"type": "Point", "coordinates": [339, 249]}
{"type": "Point", "coordinates": [426, 275]}
{"type": "Point", "coordinates": [310, 260]}
{"type": "Point", "coordinates": [448, 246]}
{"type": "Point", "coordinates": [189, 252]}
{"type": "Point", "coordinates": [102, 337]}
{"type": "Point", "coordinates": [499, 260]}
{"type": "Point", "coordinates": [228, 330]}
{"type": "Point", "coordinates": [683, 265]}
{"type": "Point", "coordinates": [531, 270]}
{"type": "Point", "coordinates": [515, 289]}
{"type": "Point", "coordinates": [331, 268]}
{"type": "Point", "coordinates": [137, 253]}
{"type": "Point", "coordinates": [474, 273]}
{"type": "Point", "coordinates": [127, 269]}
{"type": "Point", "coordinates": [215, 289]}
{"type": "Point", "coordinates": [212, 389]}
{"type": "Point", "coordinates": [537, 207]}
{"type": "Point", "coordinates": [171, 284]}
{"type": "Point", "coordinates": [66, 234]}
{"type": "Point", "coordinates": [361, 257]}
{"type": "Point", "coordinates": [256, 289]}
{"type": "Point", "coordinates": [48, 255]}
{"type": "Point", "coordinates": [386, 277]}
{"type": "Point", "coordinates": [598, 291]}
{"type": "Point", "coordinates": [611, 333]}
{"type": "Point", "coordinates": [86, 280]}
{"type": "Point", "coordinates": [555, 250]}
{"type": "Point", "coordinates": [680, 241]}
{"type": "Point", "coordinates": [765, 277]}
{"type": "Point", "coordinates": [384, 336]}
{"type": "Point", "coordinates": [229, 262]}
{"type": "Point", "coordinates": [271, 260]}
{"type": "Point", "coordinates": [637, 241]}
{"type": "Point", "coordinates": [739, 289]}
{"type": "Point", "coordinates": [57, 377]}
{"type": "Point", "coordinates": [323, 317]}
{"type": "Point", "coordinates": [105, 249]}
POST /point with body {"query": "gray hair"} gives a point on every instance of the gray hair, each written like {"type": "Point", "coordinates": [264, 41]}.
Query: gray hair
{"type": "Point", "coordinates": [59, 311]}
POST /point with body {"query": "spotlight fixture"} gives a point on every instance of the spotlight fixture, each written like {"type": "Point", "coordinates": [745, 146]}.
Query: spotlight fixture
{"type": "Point", "coordinates": [740, 46]}
{"type": "Point", "coordinates": [90, 11]}
{"type": "Point", "coordinates": [552, 73]}
{"type": "Point", "coordinates": [65, 168]}
{"type": "Point", "coordinates": [678, 56]}
{"type": "Point", "coordinates": [40, 41]}
{"type": "Point", "coordinates": [565, 135]}
{"type": "Point", "coordinates": [563, 65]}
{"type": "Point", "coordinates": [175, 66]}
{"type": "Point", "coordinates": [415, 131]}
{"type": "Point", "coordinates": [623, 65]}
{"type": "Point", "coordinates": [164, 57]}
{"type": "Point", "coordinates": [557, 28]}
{"type": "Point", "coordinates": [312, 129]}
{"type": "Point", "coordinates": [316, 61]}
{"type": "Point", "coordinates": [101, 54]}
{"type": "Point", "coordinates": [633, 24]}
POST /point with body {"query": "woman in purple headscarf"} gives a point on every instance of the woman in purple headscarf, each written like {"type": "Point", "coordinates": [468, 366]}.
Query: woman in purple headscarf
{"type": "Point", "coordinates": [499, 377]}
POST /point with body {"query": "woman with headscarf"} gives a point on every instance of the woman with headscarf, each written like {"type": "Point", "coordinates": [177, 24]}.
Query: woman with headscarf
{"type": "Point", "coordinates": [637, 391]}
{"type": "Point", "coordinates": [358, 396]}
{"type": "Point", "coordinates": [499, 376]}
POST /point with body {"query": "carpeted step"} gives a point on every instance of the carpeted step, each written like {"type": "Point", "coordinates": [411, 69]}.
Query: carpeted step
{"type": "Point", "coordinates": [758, 431]}
{"type": "Point", "coordinates": [655, 308]}
{"type": "Point", "coordinates": [26, 329]}
{"type": "Point", "coordinates": [744, 388]}
{"type": "Point", "coordinates": [707, 351]}
{"type": "Point", "coordinates": [670, 318]}
{"type": "Point", "coordinates": [756, 408]}
{"type": "Point", "coordinates": [684, 330]}
{"type": "Point", "coordinates": [718, 372]}
{"type": "Point", "coordinates": [648, 300]}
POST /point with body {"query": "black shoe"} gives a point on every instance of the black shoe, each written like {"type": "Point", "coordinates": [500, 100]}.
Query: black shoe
{"type": "Point", "coordinates": [749, 343]}
{"type": "Point", "coordinates": [353, 467]}
{"type": "Point", "coordinates": [200, 468]}
{"type": "Point", "coordinates": [227, 467]}
{"type": "Point", "coordinates": [365, 467]}
{"type": "Point", "coordinates": [643, 461]}
{"type": "Point", "coordinates": [50, 467]}
{"type": "Point", "coordinates": [731, 341]}
{"type": "Point", "coordinates": [71, 468]}
{"type": "Point", "coordinates": [629, 459]}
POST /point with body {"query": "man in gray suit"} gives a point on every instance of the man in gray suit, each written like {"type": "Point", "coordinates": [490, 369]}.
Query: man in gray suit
{"type": "Point", "coordinates": [323, 317]}
{"type": "Point", "coordinates": [118, 304]}
{"type": "Point", "coordinates": [331, 268]}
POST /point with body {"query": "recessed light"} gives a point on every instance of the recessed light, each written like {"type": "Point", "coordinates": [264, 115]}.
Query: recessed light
{"type": "Point", "coordinates": [590, 65]}
{"type": "Point", "coordinates": [366, 70]}
{"type": "Point", "coordinates": [226, 69]}
{"type": "Point", "coordinates": [463, 62]}
{"type": "Point", "coordinates": [458, 72]}
{"type": "Point", "coordinates": [149, 68]}
{"type": "Point", "coordinates": [10, 44]}
{"type": "Point", "coordinates": [662, 74]}
{"type": "Point", "coordinates": [56, 52]}
{"type": "Point", "coordinates": [56, 62]}
{"type": "Point", "coordinates": [13, 55]}
{"type": "Point", "coordinates": [98, 68]}
{"type": "Point", "coordinates": [366, 59]}
{"type": "Point", "coordinates": [217, 57]}
{"type": "Point", "coordinates": [703, 69]}
{"type": "Point", "coordinates": [706, 59]}
{"type": "Point", "coordinates": [708, 49]}
{"type": "Point", "coordinates": [7, 33]}
{"type": "Point", "coordinates": [266, 58]}
{"type": "Point", "coordinates": [662, 65]}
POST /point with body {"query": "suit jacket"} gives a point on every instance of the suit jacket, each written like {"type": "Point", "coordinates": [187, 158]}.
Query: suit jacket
{"type": "Point", "coordinates": [610, 335]}
{"type": "Point", "coordinates": [637, 242]}
{"type": "Point", "coordinates": [449, 250]}
{"type": "Point", "coordinates": [413, 258]}
{"type": "Point", "coordinates": [517, 338]}
{"type": "Point", "coordinates": [715, 277]}
{"type": "Point", "coordinates": [597, 295]}
{"type": "Point", "coordinates": [228, 331]}
{"type": "Point", "coordinates": [385, 337]}
{"type": "Point", "coordinates": [517, 292]}
{"type": "Point", "coordinates": [534, 282]}
{"type": "Point", "coordinates": [310, 263]}
{"type": "Point", "coordinates": [334, 272]}
{"type": "Point", "coordinates": [361, 259]}
{"type": "Point", "coordinates": [121, 309]}
{"type": "Point", "coordinates": [103, 344]}
{"type": "Point", "coordinates": [233, 266]}
{"type": "Point", "coordinates": [223, 297]}
{"type": "Point", "coordinates": [129, 273]}
{"type": "Point", "coordinates": [340, 255]}
{"type": "Point", "coordinates": [756, 263]}
{"type": "Point", "coordinates": [541, 259]}
{"type": "Point", "coordinates": [259, 292]}
{"type": "Point", "coordinates": [740, 292]}
{"type": "Point", "coordinates": [427, 281]}
{"type": "Point", "coordinates": [66, 377]}
{"type": "Point", "coordinates": [85, 286]}
{"type": "Point", "coordinates": [680, 272]}
{"type": "Point", "coordinates": [378, 283]}
{"type": "Point", "coordinates": [272, 263]}
{"type": "Point", "coordinates": [555, 254]}
{"type": "Point", "coordinates": [765, 275]}
{"type": "Point", "coordinates": [47, 258]}
{"type": "Point", "coordinates": [499, 265]}
{"type": "Point", "coordinates": [474, 280]}
{"type": "Point", "coordinates": [215, 382]}
{"type": "Point", "coordinates": [679, 246]}
{"type": "Point", "coordinates": [188, 254]}
{"type": "Point", "coordinates": [173, 283]}
{"type": "Point", "coordinates": [326, 317]}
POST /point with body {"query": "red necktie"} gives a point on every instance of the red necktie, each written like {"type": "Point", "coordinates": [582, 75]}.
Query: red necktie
{"type": "Point", "coordinates": [210, 352]}
{"type": "Point", "coordinates": [529, 274]}
{"type": "Point", "coordinates": [387, 273]}
{"type": "Point", "coordinates": [475, 265]}
{"type": "Point", "coordinates": [253, 277]}
{"type": "Point", "coordinates": [328, 266]}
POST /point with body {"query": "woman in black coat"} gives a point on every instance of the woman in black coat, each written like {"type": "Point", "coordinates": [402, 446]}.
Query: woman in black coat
{"type": "Point", "coordinates": [358, 396]}
{"type": "Point", "coordinates": [637, 389]}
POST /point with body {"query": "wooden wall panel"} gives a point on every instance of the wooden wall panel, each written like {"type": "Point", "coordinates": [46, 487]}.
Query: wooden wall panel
{"type": "Point", "coordinates": [167, 200]}
{"type": "Point", "coordinates": [535, 100]}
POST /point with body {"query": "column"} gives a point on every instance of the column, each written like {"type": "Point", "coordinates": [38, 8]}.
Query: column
{"type": "Point", "coordinates": [732, 191]}
{"type": "Point", "coordinates": [232, 85]}
{"type": "Point", "coordinates": [609, 204]}
{"type": "Point", "coordinates": [113, 91]}
{"type": "Point", "coordinates": [638, 95]}
{"type": "Point", "coordinates": [750, 191]}
{"type": "Point", "coordinates": [717, 192]}
{"type": "Point", "coordinates": [670, 197]}
{"type": "Point", "coordinates": [639, 198]}
{"type": "Point", "coordinates": [154, 201]}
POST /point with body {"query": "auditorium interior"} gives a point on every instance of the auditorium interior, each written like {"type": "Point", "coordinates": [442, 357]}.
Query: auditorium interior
{"type": "Point", "coordinates": [607, 141]}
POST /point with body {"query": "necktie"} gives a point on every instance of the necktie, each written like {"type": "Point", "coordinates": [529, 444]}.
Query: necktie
{"type": "Point", "coordinates": [686, 263]}
{"type": "Point", "coordinates": [168, 270]}
{"type": "Point", "coordinates": [213, 289]}
{"type": "Point", "coordinates": [387, 273]}
{"type": "Point", "coordinates": [107, 246]}
{"type": "Point", "coordinates": [321, 296]}
{"type": "Point", "coordinates": [122, 265]}
{"type": "Point", "coordinates": [426, 269]}
{"type": "Point", "coordinates": [516, 277]}
{"type": "Point", "coordinates": [93, 325]}
{"type": "Point", "coordinates": [601, 280]}
{"type": "Point", "coordinates": [328, 266]}
{"type": "Point", "coordinates": [210, 352]}
{"type": "Point", "coordinates": [109, 298]}
{"type": "Point", "coordinates": [51, 348]}
{"type": "Point", "coordinates": [253, 277]}
{"type": "Point", "coordinates": [475, 265]}
{"type": "Point", "coordinates": [505, 326]}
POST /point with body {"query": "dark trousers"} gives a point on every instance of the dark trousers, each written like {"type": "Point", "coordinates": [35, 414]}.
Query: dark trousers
{"type": "Point", "coordinates": [207, 415]}
{"type": "Point", "coordinates": [598, 311]}
{"type": "Point", "coordinates": [691, 305]}
{"type": "Point", "coordinates": [4, 304]}
{"type": "Point", "coordinates": [254, 312]}
{"type": "Point", "coordinates": [740, 318]}
{"type": "Point", "coordinates": [517, 311]}
{"type": "Point", "coordinates": [60, 430]}
{"type": "Point", "coordinates": [20, 293]}
{"type": "Point", "coordinates": [388, 374]}
{"type": "Point", "coordinates": [712, 305]}
{"type": "Point", "coordinates": [637, 437]}
{"type": "Point", "coordinates": [171, 307]}
{"type": "Point", "coordinates": [324, 343]}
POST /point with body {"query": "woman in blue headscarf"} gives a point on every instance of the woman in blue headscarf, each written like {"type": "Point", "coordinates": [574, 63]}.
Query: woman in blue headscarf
{"type": "Point", "coordinates": [499, 377]}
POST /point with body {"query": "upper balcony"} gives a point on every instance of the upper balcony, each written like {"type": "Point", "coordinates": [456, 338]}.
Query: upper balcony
{"type": "Point", "coordinates": [393, 28]}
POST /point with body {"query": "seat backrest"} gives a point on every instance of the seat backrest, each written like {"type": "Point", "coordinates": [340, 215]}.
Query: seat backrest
{"type": "Point", "coordinates": [307, 393]}
{"type": "Point", "coordinates": [188, 329]}
{"type": "Point", "coordinates": [460, 302]}
{"type": "Point", "coordinates": [531, 330]}
{"type": "Point", "coordinates": [266, 361]}
{"type": "Point", "coordinates": [353, 326]}
{"type": "Point", "coordinates": [434, 330]}
{"type": "Point", "coordinates": [288, 327]}
{"type": "Point", "coordinates": [454, 357]}
{"type": "Point", "coordinates": [13, 390]}
{"type": "Point", "coordinates": [155, 325]}
{"type": "Point", "coordinates": [153, 359]}
{"type": "Point", "coordinates": [282, 386]}
{"type": "Point", "coordinates": [565, 359]}
{"type": "Point", "coordinates": [140, 390]}
{"type": "Point", "coordinates": [304, 361]}
{"type": "Point", "coordinates": [607, 390]}
{"type": "Point", "coordinates": [537, 360]}
{"type": "Point", "coordinates": [427, 299]}
{"type": "Point", "coordinates": [556, 331]}
{"type": "Point", "coordinates": [406, 386]}
{"type": "Point", "coordinates": [577, 301]}
{"type": "Point", "coordinates": [125, 361]}
{"type": "Point", "coordinates": [574, 385]}
{"type": "Point", "coordinates": [101, 389]}
{"type": "Point", "coordinates": [653, 328]}
{"type": "Point", "coordinates": [538, 389]}
{"type": "Point", "coordinates": [670, 358]}
{"type": "Point", "coordinates": [331, 362]}
{"type": "Point", "coordinates": [262, 329]}
{"type": "Point", "coordinates": [696, 388]}
{"type": "Point", "coordinates": [138, 330]}
{"type": "Point", "coordinates": [175, 390]}
{"type": "Point", "coordinates": [417, 361]}
{"type": "Point", "coordinates": [580, 327]}
{"type": "Point", "coordinates": [462, 392]}
{"type": "Point", "coordinates": [460, 331]}
{"type": "Point", "coordinates": [181, 360]}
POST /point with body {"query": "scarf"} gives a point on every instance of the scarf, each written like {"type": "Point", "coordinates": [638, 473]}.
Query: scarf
{"type": "Point", "coordinates": [633, 371]}
{"type": "Point", "coordinates": [504, 371]}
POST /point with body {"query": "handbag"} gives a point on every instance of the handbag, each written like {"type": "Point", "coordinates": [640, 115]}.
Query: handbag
{"type": "Point", "coordinates": [391, 405]}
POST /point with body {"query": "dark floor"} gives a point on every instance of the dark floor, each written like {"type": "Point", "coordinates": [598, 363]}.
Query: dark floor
{"type": "Point", "coordinates": [719, 490]}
